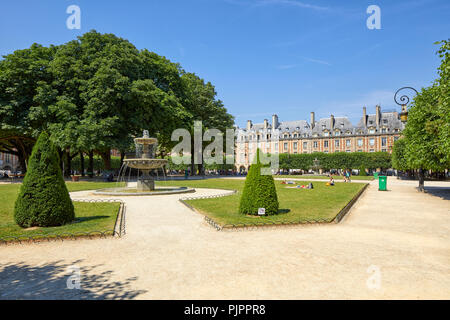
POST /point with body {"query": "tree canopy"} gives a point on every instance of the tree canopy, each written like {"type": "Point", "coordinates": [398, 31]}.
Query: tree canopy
{"type": "Point", "coordinates": [97, 93]}
{"type": "Point", "coordinates": [426, 144]}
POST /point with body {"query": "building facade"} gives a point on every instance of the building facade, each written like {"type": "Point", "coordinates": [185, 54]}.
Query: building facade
{"type": "Point", "coordinates": [8, 162]}
{"type": "Point", "coordinates": [374, 132]}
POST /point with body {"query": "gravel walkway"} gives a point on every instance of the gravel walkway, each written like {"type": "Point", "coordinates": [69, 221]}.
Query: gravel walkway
{"type": "Point", "coordinates": [391, 245]}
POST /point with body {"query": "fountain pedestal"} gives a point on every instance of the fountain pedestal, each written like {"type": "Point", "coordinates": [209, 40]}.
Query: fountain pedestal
{"type": "Point", "coordinates": [145, 185]}
{"type": "Point", "coordinates": [145, 182]}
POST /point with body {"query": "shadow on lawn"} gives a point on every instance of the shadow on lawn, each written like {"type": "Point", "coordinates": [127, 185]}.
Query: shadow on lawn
{"type": "Point", "coordinates": [84, 219]}
{"type": "Point", "coordinates": [49, 281]}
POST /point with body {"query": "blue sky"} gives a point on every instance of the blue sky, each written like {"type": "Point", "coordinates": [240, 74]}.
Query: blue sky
{"type": "Point", "coordinates": [264, 56]}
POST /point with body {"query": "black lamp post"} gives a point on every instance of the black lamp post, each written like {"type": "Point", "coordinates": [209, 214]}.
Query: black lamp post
{"type": "Point", "coordinates": [404, 100]}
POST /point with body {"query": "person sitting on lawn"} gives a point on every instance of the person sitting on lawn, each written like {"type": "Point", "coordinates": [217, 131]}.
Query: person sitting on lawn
{"type": "Point", "coordinates": [331, 181]}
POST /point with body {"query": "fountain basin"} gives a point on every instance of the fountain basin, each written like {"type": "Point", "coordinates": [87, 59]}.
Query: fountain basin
{"type": "Point", "coordinates": [132, 191]}
{"type": "Point", "coordinates": [146, 164]}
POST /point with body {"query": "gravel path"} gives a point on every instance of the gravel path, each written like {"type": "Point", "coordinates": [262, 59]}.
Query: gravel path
{"type": "Point", "coordinates": [391, 245]}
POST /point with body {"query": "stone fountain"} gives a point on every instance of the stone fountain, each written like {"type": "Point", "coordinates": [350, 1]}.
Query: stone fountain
{"type": "Point", "coordinates": [145, 161]}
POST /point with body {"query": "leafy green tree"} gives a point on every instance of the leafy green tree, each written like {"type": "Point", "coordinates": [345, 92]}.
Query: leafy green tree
{"type": "Point", "coordinates": [22, 116]}
{"type": "Point", "coordinates": [43, 199]}
{"type": "Point", "coordinates": [399, 160]}
{"type": "Point", "coordinates": [428, 128]}
{"type": "Point", "coordinates": [199, 99]}
{"type": "Point", "coordinates": [259, 191]}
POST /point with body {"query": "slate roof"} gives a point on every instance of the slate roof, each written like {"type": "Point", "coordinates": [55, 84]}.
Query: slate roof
{"type": "Point", "coordinates": [389, 120]}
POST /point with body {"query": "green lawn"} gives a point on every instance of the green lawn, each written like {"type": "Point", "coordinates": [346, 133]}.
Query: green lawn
{"type": "Point", "coordinates": [322, 202]}
{"type": "Point", "coordinates": [335, 177]}
{"type": "Point", "coordinates": [88, 216]}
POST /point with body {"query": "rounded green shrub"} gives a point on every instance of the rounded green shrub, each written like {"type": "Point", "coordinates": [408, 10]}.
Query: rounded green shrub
{"type": "Point", "coordinates": [43, 199]}
{"type": "Point", "coordinates": [259, 192]}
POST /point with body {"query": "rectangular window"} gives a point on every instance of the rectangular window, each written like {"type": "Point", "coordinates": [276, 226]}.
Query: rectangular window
{"type": "Point", "coordinates": [295, 146]}
{"type": "Point", "coordinates": [315, 144]}
{"type": "Point", "coordinates": [285, 146]}
{"type": "Point", "coordinates": [305, 145]}
{"type": "Point", "coordinates": [372, 141]}
{"type": "Point", "coordinates": [276, 146]}
{"type": "Point", "coordinates": [325, 144]}
{"type": "Point", "coordinates": [383, 142]}
{"type": "Point", "coordinates": [360, 142]}
{"type": "Point", "coordinates": [336, 143]}
{"type": "Point", "coordinates": [348, 142]}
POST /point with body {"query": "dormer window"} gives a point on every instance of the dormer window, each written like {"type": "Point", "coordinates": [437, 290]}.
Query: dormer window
{"type": "Point", "coordinates": [372, 130]}
{"type": "Point", "coordinates": [326, 134]}
{"type": "Point", "coordinates": [337, 133]}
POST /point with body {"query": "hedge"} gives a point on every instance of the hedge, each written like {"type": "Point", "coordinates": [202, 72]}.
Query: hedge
{"type": "Point", "coordinates": [337, 160]}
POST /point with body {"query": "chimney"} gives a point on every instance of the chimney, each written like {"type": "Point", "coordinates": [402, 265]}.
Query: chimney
{"type": "Point", "coordinates": [364, 117]}
{"type": "Point", "coordinates": [378, 115]}
{"type": "Point", "coordinates": [332, 122]}
{"type": "Point", "coordinates": [274, 121]}
{"type": "Point", "coordinates": [249, 125]}
{"type": "Point", "coordinates": [313, 121]}
{"type": "Point", "coordinates": [266, 123]}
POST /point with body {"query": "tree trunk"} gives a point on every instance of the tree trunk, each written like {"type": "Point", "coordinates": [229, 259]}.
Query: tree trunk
{"type": "Point", "coordinates": [82, 163]}
{"type": "Point", "coordinates": [91, 164]}
{"type": "Point", "coordinates": [22, 160]}
{"type": "Point", "coordinates": [122, 157]}
{"type": "Point", "coordinates": [421, 180]}
{"type": "Point", "coordinates": [192, 163]}
{"type": "Point", "coordinates": [106, 156]}
{"type": "Point", "coordinates": [68, 164]}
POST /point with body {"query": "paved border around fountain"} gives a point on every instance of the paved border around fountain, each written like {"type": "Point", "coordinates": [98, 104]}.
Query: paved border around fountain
{"type": "Point", "coordinates": [110, 192]}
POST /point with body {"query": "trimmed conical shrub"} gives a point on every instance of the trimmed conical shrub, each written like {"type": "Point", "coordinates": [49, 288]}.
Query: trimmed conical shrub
{"type": "Point", "coordinates": [43, 198]}
{"type": "Point", "coordinates": [259, 191]}
{"type": "Point", "coordinates": [362, 171]}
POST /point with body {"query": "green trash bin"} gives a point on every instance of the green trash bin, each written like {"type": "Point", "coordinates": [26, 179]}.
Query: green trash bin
{"type": "Point", "coordinates": [382, 183]}
{"type": "Point", "coordinates": [375, 175]}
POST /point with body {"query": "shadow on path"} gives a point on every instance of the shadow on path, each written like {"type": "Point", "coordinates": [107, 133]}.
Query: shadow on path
{"type": "Point", "coordinates": [49, 281]}
{"type": "Point", "coordinates": [442, 192]}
